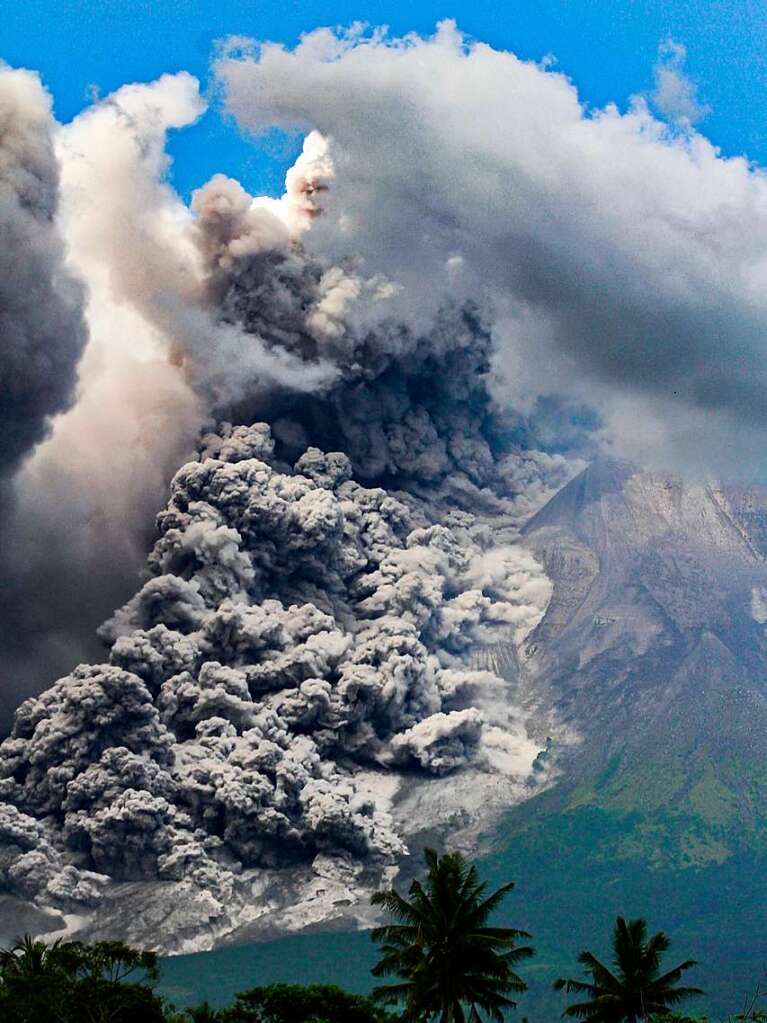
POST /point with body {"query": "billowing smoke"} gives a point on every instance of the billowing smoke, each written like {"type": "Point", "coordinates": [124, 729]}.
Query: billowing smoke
{"type": "Point", "coordinates": [308, 616]}
{"type": "Point", "coordinates": [296, 628]}
{"type": "Point", "coordinates": [220, 307]}
{"type": "Point", "coordinates": [83, 505]}
{"type": "Point", "coordinates": [42, 329]}
{"type": "Point", "coordinates": [329, 588]}
{"type": "Point", "coordinates": [42, 332]}
{"type": "Point", "coordinates": [624, 256]}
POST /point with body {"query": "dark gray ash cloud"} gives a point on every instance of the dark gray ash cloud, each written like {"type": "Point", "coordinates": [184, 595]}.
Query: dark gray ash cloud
{"type": "Point", "coordinates": [42, 330]}
{"type": "Point", "coordinates": [296, 629]}
{"type": "Point", "coordinates": [42, 336]}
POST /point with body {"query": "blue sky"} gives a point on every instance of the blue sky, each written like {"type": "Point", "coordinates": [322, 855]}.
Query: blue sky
{"type": "Point", "coordinates": [608, 49]}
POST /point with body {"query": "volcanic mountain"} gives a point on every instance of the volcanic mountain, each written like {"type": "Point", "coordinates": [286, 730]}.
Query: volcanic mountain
{"type": "Point", "coordinates": [653, 651]}
{"type": "Point", "coordinates": [648, 672]}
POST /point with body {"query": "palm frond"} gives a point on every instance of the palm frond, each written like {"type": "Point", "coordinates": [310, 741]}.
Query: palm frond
{"type": "Point", "coordinates": [678, 994]}
{"type": "Point", "coordinates": [601, 975]}
{"type": "Point", "coordinates": [390, 993]}
{"type": "Point", "coordinates": [673, 975]}
{"type": "Point", "coordinates": [569, 984]}
{"type": "Point", "coordinates": [484, 909]}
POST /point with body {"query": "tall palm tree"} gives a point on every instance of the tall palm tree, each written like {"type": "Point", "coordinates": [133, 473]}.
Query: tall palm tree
{"type": "Point", "coordinates": [442, 949]}
{"type": "Point", "coordinates": [635, 988]}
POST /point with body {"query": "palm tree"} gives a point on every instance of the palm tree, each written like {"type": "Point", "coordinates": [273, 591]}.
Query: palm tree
{"type": "Point", "coordinates": [32, 981]}
{"type": "Point", "coordinates": [443, 949]}
{"type": "Point", "coordinates": [635, 988]}
{"type": "Point", "coordinates": [27, 957]}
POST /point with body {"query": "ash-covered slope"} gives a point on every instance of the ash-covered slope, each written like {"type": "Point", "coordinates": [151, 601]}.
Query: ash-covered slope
{"type": "Point", "coordinates": [653, 651]}
{"type": "Point", "coordinates": [658, 591]}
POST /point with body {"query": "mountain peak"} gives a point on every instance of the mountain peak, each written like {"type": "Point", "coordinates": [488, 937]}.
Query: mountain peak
{"type": "Point", "coordinates": [604, 479]}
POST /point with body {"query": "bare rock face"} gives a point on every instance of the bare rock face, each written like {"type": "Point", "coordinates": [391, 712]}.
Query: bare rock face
{"type": "Point", "coordinates": [656, 606]}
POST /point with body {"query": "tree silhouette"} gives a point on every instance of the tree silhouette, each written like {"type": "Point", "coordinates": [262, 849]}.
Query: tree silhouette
{"type": "Point", "coordinates": [635, 988]}
{"type": "Point", "coordinates": [297, 1003]}
{"type": "Point", "coordinates": [442, 948]}
{"type": "Point", "coordinates": [73, 982]}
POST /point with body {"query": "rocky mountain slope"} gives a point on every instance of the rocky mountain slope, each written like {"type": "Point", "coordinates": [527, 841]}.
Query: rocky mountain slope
{"type": "Point", "coordinates": [654, 652]}
{"type": "Point", "coordinates": [655, 636]}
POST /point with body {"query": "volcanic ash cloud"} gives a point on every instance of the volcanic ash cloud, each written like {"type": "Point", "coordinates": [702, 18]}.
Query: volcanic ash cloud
{"type": "Point", "coordinates": [42, 331]}
{"type": "Point", "coordinates": [227, 309]}
{"type": "Point", "coordinates": [321, 585]}
{"type": "Point", "coordinates": [297, 627]}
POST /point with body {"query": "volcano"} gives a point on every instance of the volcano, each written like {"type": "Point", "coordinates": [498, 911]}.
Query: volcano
{"type": "Point", "coordinates": [648, 672]}
{"type": "Point", "coordinates": [653, 652]}
{"type": "Point", "coordinates": [651, 660]}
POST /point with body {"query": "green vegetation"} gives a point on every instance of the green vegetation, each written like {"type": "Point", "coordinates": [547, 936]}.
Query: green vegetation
{"type": "Point", "coordinates": [677, 809]}
{"type": "Point", "coordinates": [635, 988]}
{"type": "Point", "coordinates": [442, 949]}
{"type": "Point", "coordinates": [450, 960]}
{"type": "Point", "coordinates": [294, 1003]}
{"type": "Point", "coordinates": [639, 835]}
{"type": "Point", "coordinates": [71, 982]}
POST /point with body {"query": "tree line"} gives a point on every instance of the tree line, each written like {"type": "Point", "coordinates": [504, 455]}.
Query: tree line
{"type": "Point", "coordinates": [441, 957]}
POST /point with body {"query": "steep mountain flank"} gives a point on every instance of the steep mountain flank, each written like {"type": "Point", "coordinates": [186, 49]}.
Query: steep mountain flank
{"type": "Point", "coordinates": [653, 651]}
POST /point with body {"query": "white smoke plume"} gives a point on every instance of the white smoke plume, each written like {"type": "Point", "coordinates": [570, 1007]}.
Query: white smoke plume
{"type": "Point", "coordinates": [143, 245]}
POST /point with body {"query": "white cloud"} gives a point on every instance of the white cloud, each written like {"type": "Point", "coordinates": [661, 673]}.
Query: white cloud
{"type": "Point", "coordinates": [626, 261]}
{"type": "Point", "coordinates": [675, 95]}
